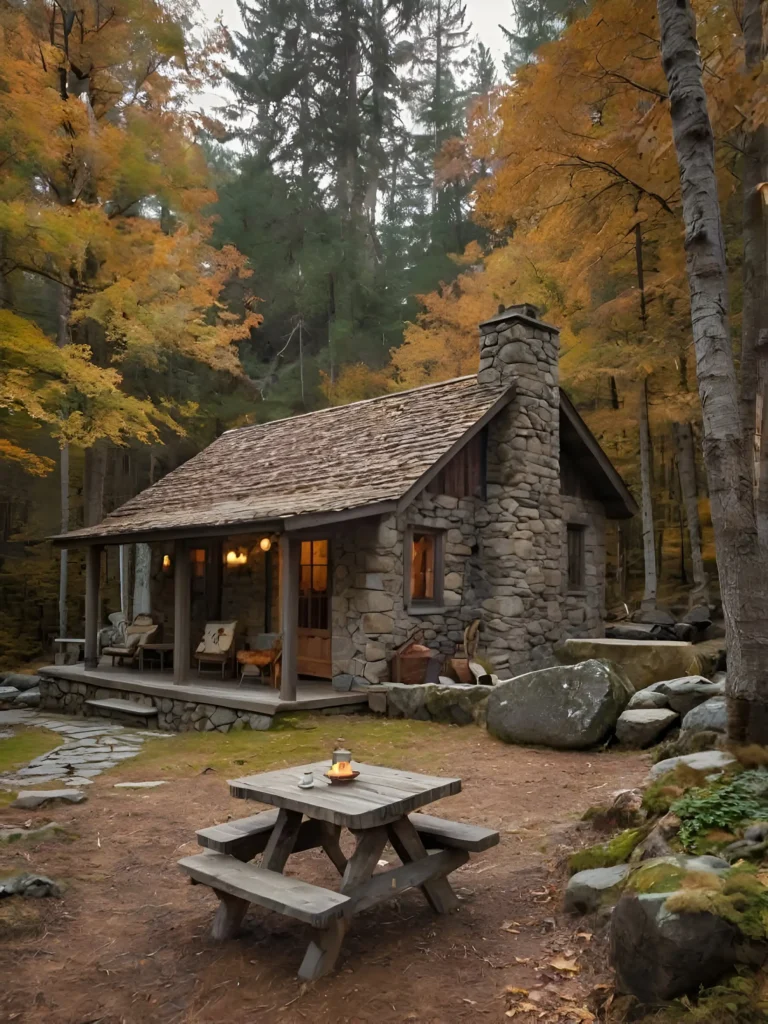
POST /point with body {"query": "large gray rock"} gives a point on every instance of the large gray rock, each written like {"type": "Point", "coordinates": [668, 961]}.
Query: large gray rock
{"type": "Point", "coordinates": [569, 707]}
{"type": "Point", "coordinates": [648, 698]}
{"type": "Point", "coordinates": [27, 699]}
{"type": "Point", "coordinates": [643, 726]}
{"type": "Point", "coordinates": [8, 694]}
{"type": "Point", "coordinates": [711, 715]}
{"type": "Point", "coordinates": [660, 955]}
{"type": "Point", "coordinates": [687, 692]}
{"type": "Point", "coordinates": [644, 661]}
{"type": "Point", "coordinates": [30, 886]}
{"type": "Point", "coordinates": [655, 616]}
{"type": "Point", "coordinates": [588, 891]}
{"type": "Point", "coordinates": [628, 631]}
{"type": "Point", "coordinates": [22, 682]}
{"type": "Point", "coordinates": [704, 761]}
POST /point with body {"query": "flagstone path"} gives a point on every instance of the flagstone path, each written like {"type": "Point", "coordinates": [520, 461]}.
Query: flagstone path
{"type": "Point", "coordinates": [91, 746]}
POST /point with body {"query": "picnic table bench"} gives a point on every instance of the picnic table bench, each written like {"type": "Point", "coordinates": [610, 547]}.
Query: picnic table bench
{"type": "Point", "coordinates": [377, 808]}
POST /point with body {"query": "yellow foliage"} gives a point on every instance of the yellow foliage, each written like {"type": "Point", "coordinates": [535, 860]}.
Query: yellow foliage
{"type": "Point", "coordinates": [355, 382]}
{"type": "Point", "coordinates": [103, 193]}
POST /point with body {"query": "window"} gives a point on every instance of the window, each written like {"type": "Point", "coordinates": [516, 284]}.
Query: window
{"type": "Point", "coordinates": [426, 569]}
{"type": "Point", "coordinates": [576, 537]}
{"type": "Point", "coordinates": [313, 585]}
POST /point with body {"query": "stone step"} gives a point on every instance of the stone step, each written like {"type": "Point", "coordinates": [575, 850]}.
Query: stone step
{"type": "Point", "coordinates": [124, 707]}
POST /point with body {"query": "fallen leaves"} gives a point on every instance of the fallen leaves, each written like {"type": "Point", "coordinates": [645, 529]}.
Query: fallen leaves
{"type": "Point", "coordinates": [512, 927]}
{"type": "Point", "coordinates": [561, 964]}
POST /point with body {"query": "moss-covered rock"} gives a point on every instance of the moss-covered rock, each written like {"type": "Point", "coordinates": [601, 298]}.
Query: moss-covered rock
{"type": "Point", "coordinates": [606, 855]}
{"type": "Point", "coordinates": [669, 874]}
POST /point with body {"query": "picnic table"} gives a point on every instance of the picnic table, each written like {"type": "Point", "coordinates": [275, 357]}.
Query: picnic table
{"type": "Point", "coordinates": [377, 808]}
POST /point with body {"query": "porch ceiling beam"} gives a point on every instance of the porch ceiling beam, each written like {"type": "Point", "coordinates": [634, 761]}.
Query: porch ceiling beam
{"type": "Point", "coordinates": [66, 540]}
{"type": "Point", "coordinates": [314, 520]}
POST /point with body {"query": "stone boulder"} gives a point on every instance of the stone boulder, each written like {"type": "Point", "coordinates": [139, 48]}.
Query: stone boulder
{"type": "Point", "coordinates": [661, 947]}
{"type": "Point", "coordinates": [31, 799]}
{"type": "Point", "coordinates": [648, 698]}
{"type": "Point", "coordinates": [705, 761]}
{"type": "Point", "coordinates": [642, 727]}
{"type": "Point", "coordinates": [27, 699]}
{"type": "Point", "coordinates": [569, 707]}
{"type": "Point", "coordinates": [644, 661]}
{"type": "Point", "coordinates": [22, 682]}
{"type": "Point", "coordinates": [589, 891]}
{"type": "Point", "coordinates": [459, 704]}
{"type": "Point", "coordinates": [8, 694]}
{"type": "Point", "coordinates": [712, 715]}
{"type": "Point", "coordinates": [655, 616]}
{"type": "Point", "coordinates": [686, 692]}
{"type": "Point", "coordinates": [628, 631]}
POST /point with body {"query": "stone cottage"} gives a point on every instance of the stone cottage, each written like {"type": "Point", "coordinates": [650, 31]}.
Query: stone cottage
{"type": "Point", "coordinates": [349, 529]}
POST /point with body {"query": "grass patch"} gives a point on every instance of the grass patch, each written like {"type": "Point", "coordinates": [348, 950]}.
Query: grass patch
{"type": "Point", "coordinates": [25, 745]}
{"type": "Point", "coordinates": [294, 740]}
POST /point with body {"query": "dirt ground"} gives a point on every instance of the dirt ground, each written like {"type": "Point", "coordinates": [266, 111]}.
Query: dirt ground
{"type": "Point", "coordinates": [128, 942]}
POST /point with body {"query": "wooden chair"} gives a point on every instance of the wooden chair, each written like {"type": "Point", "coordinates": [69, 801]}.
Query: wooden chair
{"type": "Point", "coordinates": [264, 660]}
{"type": "Point", "coordinates": [217, 646]}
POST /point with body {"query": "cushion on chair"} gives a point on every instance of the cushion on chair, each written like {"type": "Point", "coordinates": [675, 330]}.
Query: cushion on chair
{"type": "Point", "coordinates": [218, 638]}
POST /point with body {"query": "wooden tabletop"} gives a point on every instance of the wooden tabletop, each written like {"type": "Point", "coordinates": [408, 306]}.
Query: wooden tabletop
{"type": "Point", "coordinates": [377, 797]}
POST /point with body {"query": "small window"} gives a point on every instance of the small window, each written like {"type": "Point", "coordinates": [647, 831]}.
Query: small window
{"type": "Point", "coordinates": [426, 575]}
{"type": "Point", "coordinates": [576, 557]}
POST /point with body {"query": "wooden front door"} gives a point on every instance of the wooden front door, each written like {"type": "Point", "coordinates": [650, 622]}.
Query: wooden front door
{"type": "Point", "coordinates": [314, 633]}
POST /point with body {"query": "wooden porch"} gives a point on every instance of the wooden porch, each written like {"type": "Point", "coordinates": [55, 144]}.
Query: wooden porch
{"type": "Point", "coordinates": [263, 700]}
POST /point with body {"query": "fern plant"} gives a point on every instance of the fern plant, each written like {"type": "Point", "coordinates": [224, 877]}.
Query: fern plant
{"type": "Point", "coordinates": [744, 798]}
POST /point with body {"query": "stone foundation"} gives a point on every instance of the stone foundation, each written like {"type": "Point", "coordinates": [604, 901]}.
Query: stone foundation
{"type": "Point", "coordinates": [63, 695]}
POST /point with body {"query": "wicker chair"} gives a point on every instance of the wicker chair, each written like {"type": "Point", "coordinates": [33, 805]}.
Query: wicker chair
{"type": "Point", "coordinates": [263, 661]}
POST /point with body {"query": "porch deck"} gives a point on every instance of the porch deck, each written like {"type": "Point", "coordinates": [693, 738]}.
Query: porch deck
{"type": "Point", "coordinates": [263, 700]}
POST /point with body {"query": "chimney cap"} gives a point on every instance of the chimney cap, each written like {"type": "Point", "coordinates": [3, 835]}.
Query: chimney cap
{"type": "Point", "coordinates": [523, 311]}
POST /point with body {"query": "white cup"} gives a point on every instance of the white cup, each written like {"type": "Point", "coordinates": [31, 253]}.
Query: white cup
{"type": "Point", "coordinates": [307, 780]}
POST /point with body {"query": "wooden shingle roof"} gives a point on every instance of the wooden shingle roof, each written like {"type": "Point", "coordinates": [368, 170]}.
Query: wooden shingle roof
{"type": "Point", "coordinates": [369, 454]}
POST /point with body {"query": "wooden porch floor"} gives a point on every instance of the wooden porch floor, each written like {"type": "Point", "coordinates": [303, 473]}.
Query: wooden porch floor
{"type": "Point", "coordinates": [310, 694]}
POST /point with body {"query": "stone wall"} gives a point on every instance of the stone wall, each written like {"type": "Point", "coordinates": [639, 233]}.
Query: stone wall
{"type": "Point", "coordinates": [69, 697]}
{"type": "Point", "coordinates": [522, 533]}
{"type": "Point", "coordinates": [505, 556]}
{"type": "Point", "coordinates": [584, 611]}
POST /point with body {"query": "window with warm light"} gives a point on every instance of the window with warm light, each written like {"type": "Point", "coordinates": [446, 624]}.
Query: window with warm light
{"type": "Point", "coordinates": [425, 577]}
{"type": "Point", "coordinates": [314, 606]}
{"type": "Point", "coordinates": [197, 558]}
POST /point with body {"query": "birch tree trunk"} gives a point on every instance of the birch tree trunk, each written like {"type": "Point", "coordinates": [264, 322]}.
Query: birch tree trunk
{"type": "Point", "coordinates": [142, 572]}
{"type": "Point", "coordinates": [741, 559]}
{"type": "Point", "coordinates": [649, 542]}
{"type": "Point", "coordinates": [686, 471]}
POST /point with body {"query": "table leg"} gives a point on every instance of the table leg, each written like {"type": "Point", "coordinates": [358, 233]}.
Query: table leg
{"type": "Point", "coordinates": [229, 916]}
{"type": "Point", "coordinates": [323, 951]}
{"type": "Point", "coordinates": [365, 858]}
{"type": "Point", "coordinates": [409, 847]}
{"type": "Point", "coordinates": [329, 840]}
{"type": "Point", "coordinates": [282, 840]}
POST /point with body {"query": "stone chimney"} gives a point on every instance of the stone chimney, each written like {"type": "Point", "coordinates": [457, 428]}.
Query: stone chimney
{"type": "Point", "coordinates": [522, 537]}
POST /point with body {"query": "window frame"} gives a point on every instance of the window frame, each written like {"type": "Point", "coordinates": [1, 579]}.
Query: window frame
{"type": "Point", "coordinates": [425, 606]}
{"type": "Point", "coordinates": [580, 585]}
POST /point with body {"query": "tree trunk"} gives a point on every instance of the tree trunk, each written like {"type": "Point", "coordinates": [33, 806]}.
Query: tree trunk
{"type": "Point", "coordinates": [62, 338]}
{"type": "Point", "coordinates": [142, 575]}
{"type": "Point", "coordinates": [125, 580]}
{"type": "Point", "coordinates": [754, 316]}
{"type": "Point", "coordinates": [741, 559]}
{"type": "Point", "coordinates": [686, 471]}
{"type": "Point", "coordinates": [649, 545]}
{"type": "Point", "coordinates": [93, 484]}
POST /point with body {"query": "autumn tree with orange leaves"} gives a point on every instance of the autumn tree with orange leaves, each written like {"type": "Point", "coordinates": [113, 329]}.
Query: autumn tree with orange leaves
{"type": "Point", "coordinates": [103, 196]}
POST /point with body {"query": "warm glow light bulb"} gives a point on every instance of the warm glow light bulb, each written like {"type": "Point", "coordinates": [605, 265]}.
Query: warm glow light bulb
{"type": "Point", "coordinates": [265, 543]}
{"type": "Point", "coordinates": [231, 558]}
{"type": "Point", "coordinates": [166, 561]}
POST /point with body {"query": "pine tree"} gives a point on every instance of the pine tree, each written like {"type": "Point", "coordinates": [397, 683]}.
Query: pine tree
{"type": "Point", "coordinates": [536, 22]}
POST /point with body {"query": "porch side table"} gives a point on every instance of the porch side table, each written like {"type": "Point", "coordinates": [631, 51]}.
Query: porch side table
{"type": "Point", "coordinates": [160, 649]}
{"type": "Point", "coordinates": [375, 807]}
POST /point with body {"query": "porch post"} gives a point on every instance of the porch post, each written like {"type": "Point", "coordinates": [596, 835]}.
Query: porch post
{"type": "Point", "coordinates": [92, 580]}
{"type": "Point", "coordinates": [290, 551]}
{"type": "Point", "coordinates": [181, 611]}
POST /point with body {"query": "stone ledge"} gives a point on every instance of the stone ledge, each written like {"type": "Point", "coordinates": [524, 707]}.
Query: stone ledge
{"type": "Point", "coordinates": [460, 704]}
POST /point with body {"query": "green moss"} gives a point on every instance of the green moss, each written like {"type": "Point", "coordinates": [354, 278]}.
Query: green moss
{"type": "Point", "coordinates": [605, 855]}
{"type": "Point", "coordinates": [25, 745]}
{"type": "Point", "coordinates": [737, 896]}
{"type": "Point", "coordinates": [657, 876]}
{"type": "Point", "coordinates": [661, 794]}
{"type": "Point", "coordinates": [740, 999]}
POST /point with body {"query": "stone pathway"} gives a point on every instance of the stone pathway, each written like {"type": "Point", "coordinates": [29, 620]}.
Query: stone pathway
{"type": "Point", "coordinates": [91, 746]}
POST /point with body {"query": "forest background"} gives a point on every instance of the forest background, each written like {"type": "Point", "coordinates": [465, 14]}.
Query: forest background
{"type": "Point", "coordinates": [375, 186]}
